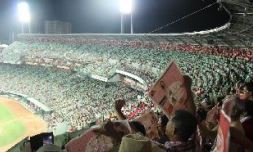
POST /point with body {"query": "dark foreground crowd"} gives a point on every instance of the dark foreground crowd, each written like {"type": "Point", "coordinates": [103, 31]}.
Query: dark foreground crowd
{"type": "Point", "coordinates": [187, 130]}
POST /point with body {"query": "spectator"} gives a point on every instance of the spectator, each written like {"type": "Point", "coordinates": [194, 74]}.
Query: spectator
{"type": "Point", "coordinates": [245, 91]}
{"type": "Point", "coordinates": [138, 143]}
{"type": "Point", "coordinates": [119, 103]}
{"type": "Point", "coordinates": [135, 126]}
{"type": "Point", "coordinates": [114, 130]}
{"type": "Point", "coordinates": [162, 129]}
{"type": "Point", "coordinates": [247, 121]}
{"type": "Point", "coordinates": [236, 113]}
{"type": "Point", "coordinates": [179, 130]}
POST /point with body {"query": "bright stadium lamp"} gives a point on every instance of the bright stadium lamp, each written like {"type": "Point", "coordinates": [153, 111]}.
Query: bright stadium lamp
{"type": "Point", "coordinates": [24, 14]}
{"type": "Point", "coordinates": [126, 7]}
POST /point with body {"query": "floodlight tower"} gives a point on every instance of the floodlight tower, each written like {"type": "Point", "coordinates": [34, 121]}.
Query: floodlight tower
{"type": "Point", "coordinates": [126, 8]}
{"type": "Point", "coordinates": [24, 15]}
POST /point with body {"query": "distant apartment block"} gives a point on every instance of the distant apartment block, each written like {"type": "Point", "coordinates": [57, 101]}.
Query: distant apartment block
{"type": "Point", "coordinates": [57, 27]}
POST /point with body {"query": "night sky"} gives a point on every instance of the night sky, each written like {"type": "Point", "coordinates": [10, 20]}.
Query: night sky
{"type": "Point", "coordinates": [102, 16]}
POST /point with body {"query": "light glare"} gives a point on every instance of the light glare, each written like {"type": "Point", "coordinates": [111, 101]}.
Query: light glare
{"type": "Point", "coordinates": [126, 6]}
{"type": "Point", "coordinates": [23, 12]}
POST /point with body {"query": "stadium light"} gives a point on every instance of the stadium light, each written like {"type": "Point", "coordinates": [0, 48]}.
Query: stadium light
{"type": "Point", "coordinates": [126, 7]}
{"type": "Point", "coordinates": [24, 12]}
{"type": "Point", "coordinates": [24, 15]}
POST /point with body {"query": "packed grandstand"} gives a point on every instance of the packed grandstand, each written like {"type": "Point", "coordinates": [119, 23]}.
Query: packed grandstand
{"type": "Point", "coordinates": [74, 79]}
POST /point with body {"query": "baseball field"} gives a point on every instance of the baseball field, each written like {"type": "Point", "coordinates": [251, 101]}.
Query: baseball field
{"type": "Point", "coordinates": [16, 123]}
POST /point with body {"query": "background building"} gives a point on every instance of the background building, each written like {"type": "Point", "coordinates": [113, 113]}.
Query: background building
{"type": "Point", "coordinates": [57, 27]}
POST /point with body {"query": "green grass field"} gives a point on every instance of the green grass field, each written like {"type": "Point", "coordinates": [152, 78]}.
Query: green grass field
{"type": "Point", "coordinates": [10, 128]}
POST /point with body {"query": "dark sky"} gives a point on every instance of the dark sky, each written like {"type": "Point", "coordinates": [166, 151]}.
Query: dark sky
{"type": "Point", "coordinates": [102, 16]}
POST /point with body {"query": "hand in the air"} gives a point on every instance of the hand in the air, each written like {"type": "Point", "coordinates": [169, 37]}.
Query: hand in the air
{"type": "Point", "coordinates": [119, 103]}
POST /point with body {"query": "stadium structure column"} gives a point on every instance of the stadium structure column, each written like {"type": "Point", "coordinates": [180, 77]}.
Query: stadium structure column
{"type": "Point", "coordinates": [132, 28]}
{"type": "Point", "coordinates": [126, 9]}
{"type": "Point", "coordinates": [122, 24]}
{"type": "Point", "coordinates": [24, 15]}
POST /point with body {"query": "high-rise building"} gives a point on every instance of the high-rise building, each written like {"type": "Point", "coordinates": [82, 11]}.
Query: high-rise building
{"type": "Point", "coordinates": [57, 27]}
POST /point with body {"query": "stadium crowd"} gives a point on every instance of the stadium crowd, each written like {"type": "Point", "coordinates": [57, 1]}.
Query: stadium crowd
{"type": "Point", "coordinates": [66, 93]}
{"type": "Point", "coordinates": [186, 130]}
{"type": "Point", "coordinates": [149, 42]}
{"type": "Point", "coordinates": [78, 100]}
{"type": "Point", "coordinates": [216, 74]}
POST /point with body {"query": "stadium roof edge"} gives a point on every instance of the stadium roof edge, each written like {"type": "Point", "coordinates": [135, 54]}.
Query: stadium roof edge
{"type": "Point", "coordinates": [225, 26]}
{"type": "Point", "coordinates": [236, 33]}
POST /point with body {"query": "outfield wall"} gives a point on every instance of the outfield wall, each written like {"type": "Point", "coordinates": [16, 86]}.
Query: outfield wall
{"type": "Point", "coordinates": [29, 103]}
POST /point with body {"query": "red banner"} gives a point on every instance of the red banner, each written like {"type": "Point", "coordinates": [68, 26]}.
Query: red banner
{"type": "Point", "coordinates": [222, 140]}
